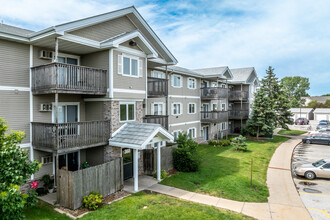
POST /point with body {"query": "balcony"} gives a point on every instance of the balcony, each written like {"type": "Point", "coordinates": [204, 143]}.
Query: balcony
{"type": "Point", "coordinates": [63, 137]}
{"type": "Point", "coordinates": [238, 96]}
{"type": "Point", "coordinates": [157, 87]}
{"type": "Point", "coordinates": [67, 78]}
{"type": "Point", "coordinates": [240, 114]}
{"type": "Point", "coordinates": [209, 93]}
{"type": "Point", "coordinates": [214, 116]}
{"type": "Point", "coordinates": [157, 119]}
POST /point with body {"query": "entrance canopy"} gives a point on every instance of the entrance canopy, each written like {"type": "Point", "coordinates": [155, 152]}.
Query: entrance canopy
{"type": "Point", "coordinates": [136, 135]}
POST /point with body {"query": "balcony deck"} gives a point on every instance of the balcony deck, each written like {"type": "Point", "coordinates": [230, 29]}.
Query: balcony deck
{"type": "Point", "coordinates": [214, 116]}
{"type": "Point", "coordinates": [238, 96]}
{"type": "Point", "coordinates": [240, 114]}
{"type": "Point", "coordinates": [67, 78]}
{"type": "Point", "coordinates": [157, 87]}
{"type": "Point", "coordinates": [157, 119]}
{"type": "Point", "coordinates": [210, 93]}
{"type": "Point", "coordinates": [63, 137]}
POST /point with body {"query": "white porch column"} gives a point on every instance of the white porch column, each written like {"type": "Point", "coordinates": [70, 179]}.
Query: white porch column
{"type": "Point", "coordinates": [158, 162]}
{"type": "Point", "coordinates": [136, 169]}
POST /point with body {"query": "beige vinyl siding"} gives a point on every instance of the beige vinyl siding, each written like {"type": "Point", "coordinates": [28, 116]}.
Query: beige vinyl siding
{"type": "Point", "coordinates": [106, 30]}
{"type": "Point", "coordinates": [126, 44]}
{"type": "Point", "coordinates": [153, 100]}
{"type": "Point", "coordinates": [184, 91]}
{"type": "Point", "coordinates": [36, 53]}
{"type": "Point", "coordinates": [46, 117]}
{"type": "Point", "coordinates": [14, 64]}
{"type": "Point", "coordinates": [184, 117]}
{"type": "Point", "coordinates": [184, 128]}
{"type": "Point", "coordinates": [127, 82]}
{"type": "Point", "coordinates": [94, 111]}
{"type": "Point", "coordinates": [45, 168]}
{"type": "Point", "coordinates": [15, 109]}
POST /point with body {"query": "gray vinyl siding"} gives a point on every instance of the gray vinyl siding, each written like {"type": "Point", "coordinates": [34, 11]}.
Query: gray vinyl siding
{"type": "Point", "coordinates": [46, 117]}
{"type": "Point", "coordinates": [127, 82]}
{"type": "Point", "coordinates": [106, 30]}
{"type": "Point", "coordinates": [15, 109]}
{"type": "Point", "coordinates": [184, 117]}
{"type": "Point", "coordinates": [97, 60]}
{"type": "Point", "coordinates": [14, 64]}
{"type": "Point", "coordinates": [36, 60]}
{"type": "Point", "coordinates": [184, 128]}
{"type": "Point", "coordinates": [126, 44]}
{"type": "Point", "coordinates": [237, 106]}
{"type": "Point", "coordinates": [45, 168]}
{"type": "Point", "coordinates": [184, 91]}
{"type": "Point", "coordinates": [94, 111]}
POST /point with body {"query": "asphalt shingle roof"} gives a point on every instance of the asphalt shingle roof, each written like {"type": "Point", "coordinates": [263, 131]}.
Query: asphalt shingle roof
{"type": "Point", "coordinates": [211, 70]}
{"type": "Point", "coordinates": [14, 30]}
{"type": "Point", "coordinates": [241, 74]}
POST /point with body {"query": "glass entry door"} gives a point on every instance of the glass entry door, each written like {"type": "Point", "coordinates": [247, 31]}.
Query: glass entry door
{"type": "Point", "coordinates": [128, 163]}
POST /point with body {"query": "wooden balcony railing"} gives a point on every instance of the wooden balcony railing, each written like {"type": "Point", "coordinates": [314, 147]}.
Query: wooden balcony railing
{"type": "Point", "coordinates": [240, 114]}
{"type": "Point", "coordinates": [157, 119]}
{"type": "Point", "coordinates": [69, 136]}
{"type": "Point", "coordinates": [214, 116]}
{"type": "Point", "coordinates": [238, 96]}
{"type": "Point", "coordinates": [157, 87]}
{"type": "Point", "coordinates": [67, 78]}
{"type": "Point", "coordinates": [208, 93]}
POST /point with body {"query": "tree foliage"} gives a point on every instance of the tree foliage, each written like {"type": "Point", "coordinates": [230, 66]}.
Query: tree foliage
{"type": "Point", "coordinates": [315, 104]}
{"type": "Point", "coordinates": [15, 169]}
{"type": "Point", "coordinates": [295, 87]}
{"type": "Point", "coordinates": [270, 108]}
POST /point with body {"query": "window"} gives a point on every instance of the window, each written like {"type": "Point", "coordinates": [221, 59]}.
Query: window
{"type": "Point", "coordinates": [192, 132]}
{"type": "Point", "coordinates": [130, 66]}
{"type": "Point", "coordinates": [214, 84]}
{"type": "Point", "coordinates": [157, 109]}
{"type": "Point", "coordinates": [326, 166]}
{"type": "Point", "coordinates": [214, 106]}
{"type": "Point", "coordinates": [158, 74]}
{"type": "Point", "coordinates": [191, 108]}
{"type": "Point", "coordinates": [223, 125]}
{"type": "Point", "coordinates": [191, 83]}
{"type": "Point", "coordinates": [223, 107]}
{"type": "Point", "coordinates": [127, 112]}
{"type": "Point", "coordinates": [176, 81]}
{"type": "Point", "coordinates": [223, 85]}
{"type": "Point", "coordinates": [67, 112]}
{"type": "Point", "coordinates": [176, 134]}
{"type": "Point", "coordinates": [176, 109]}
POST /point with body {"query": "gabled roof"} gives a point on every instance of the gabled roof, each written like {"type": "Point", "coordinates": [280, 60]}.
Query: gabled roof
{"type": "Point", "coordinates": [322, 110]}
{"type": "Point", "coordinates": [321, 99]}
{"type": "Point", "coordinates": [303, 110]}
{"type": "Point", "coordinates": [137, 135]}
{"type": "Point", "coordinates": [244, 75]}
{"type": "Point", "coordinates": [215, 71]}
{"type": "Point", "coordinates": [14, 30]}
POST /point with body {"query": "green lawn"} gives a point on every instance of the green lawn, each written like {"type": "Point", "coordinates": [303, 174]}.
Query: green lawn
{"type": "Point", "coordinates": [291, 132]}
{"type": "Point", "coordinates": [44, 211]}
{"type": "Point", "coordinates": [226, 173]}
{"type": "Point", "coordinates": [157, 206]}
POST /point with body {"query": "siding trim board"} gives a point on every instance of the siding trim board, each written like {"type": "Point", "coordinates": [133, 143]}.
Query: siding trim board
{"type": "Point", "coordinates": [186, 97]}
{"type": "Point", "coordinates": [184, 123]}
{"type": "Point", "coordinates": [129, 91]}
{"type": "Point", "coordinates": [13, 88]}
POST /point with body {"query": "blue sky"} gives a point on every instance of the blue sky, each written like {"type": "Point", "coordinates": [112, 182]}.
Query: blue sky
{"type": "Point", "coordinates": [292, 36]}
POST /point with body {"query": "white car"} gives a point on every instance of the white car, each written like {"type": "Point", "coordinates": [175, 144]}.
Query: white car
{"type": "Point", "coordinates": [322, 130]}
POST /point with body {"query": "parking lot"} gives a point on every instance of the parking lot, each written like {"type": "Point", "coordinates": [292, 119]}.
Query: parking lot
{"type": "Point", "coordinates": [315, 194]}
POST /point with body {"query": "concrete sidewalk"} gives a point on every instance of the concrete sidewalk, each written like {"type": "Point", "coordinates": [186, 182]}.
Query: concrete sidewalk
{"type": "Point", "coordinates": [283, 203]}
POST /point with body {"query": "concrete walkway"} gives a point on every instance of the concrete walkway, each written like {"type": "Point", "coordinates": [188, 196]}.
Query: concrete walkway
{"type": "Point", "coordinates": [283, 203]}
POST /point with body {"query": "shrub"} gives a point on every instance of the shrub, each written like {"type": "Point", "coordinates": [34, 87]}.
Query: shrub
{"type": "Point", "coordinates": [212, 142]}
{"type": "Point", "coordinates": [93, 200]}
{"type": "Point", "coordinates": [185, 157]}
{"type": "Point", "coordinates": [240, 143]}
{"type": "Point", "coordinates": [163, 174]}
{"type": "Point", "coordinates": [224, 143]}
{"type": "Point", "coordinates": [48, 182]}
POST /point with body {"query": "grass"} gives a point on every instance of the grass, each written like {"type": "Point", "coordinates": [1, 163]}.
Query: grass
{"type": "Point", "coordinates": [156, 206]}
{"type": "Point", "coordinates": [44, 211]}
{"type": "Point", "coordinates": [291, 132]}
{"type": "Point", "coordinates": [226, 173]}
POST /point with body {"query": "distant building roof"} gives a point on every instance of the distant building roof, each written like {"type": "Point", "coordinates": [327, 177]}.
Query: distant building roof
{"type": "Point", "coordinates": [303, 110]}
{"type": "Point", "coordinates": [243, 75]}
{"type": "Point", "coordinates": [136, 135]}
{"type": "Point", "coordinates": [322, 110]}
{"type": "Point", "coordinates": [320, 99]}
{"type": "Point", "coordinates": [211, 70]}
{"type": "Point", "coordinates": [14, 30]}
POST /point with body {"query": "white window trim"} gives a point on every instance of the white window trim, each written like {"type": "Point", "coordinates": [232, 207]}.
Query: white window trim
{"type": "Point", "coordinates": [194, 133]}
{"type": "Point", "coordinates": [191, 103]}
{"type": "Point", "coordinates": [152, 110]}
{"type": "Point", "coordinates": [153, 72]}
{"type": "Point", "coordinates": [225, 106]}
{"type": "Point", "coordinates": [127, 103]}
{"type": "Point", "coordinates": [195, 87]}
{"type": "Point", "coordinates": [130, 61]}
{"type": "Point", "coordinates": [66, 55]}
{"type": "Point", "coordinates": [65, 103]}
{"type": "Point", "coordinates": [181, 81]}
{"type": "Point", "coordinates": [180, 131]}
{"type": "Point", "coordinates": [181, 108]}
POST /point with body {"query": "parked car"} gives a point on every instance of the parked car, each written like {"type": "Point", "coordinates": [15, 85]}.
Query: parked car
{"type": "Point", "coordinates": [326, 121]}
{"type": "Point", "coordinates": [320, 168]}
{"type": "Point", "coordinates": [301, 121]}
{"type": "Point", "coordinates": [317, 139]}
{"type": "Point", "coordinates": [321, 125]}
{"type": "Point", "coordinates": [321, 131]}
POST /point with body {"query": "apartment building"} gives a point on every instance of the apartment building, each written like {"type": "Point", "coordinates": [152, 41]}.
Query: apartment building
{"type": "Point", "coordinates": [82, 90]}
{"type": "Point", "coordinates": [242, 87]}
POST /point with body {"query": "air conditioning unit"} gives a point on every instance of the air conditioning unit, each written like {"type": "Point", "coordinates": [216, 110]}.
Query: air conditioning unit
{"type": "Point", "coordinates": [46, 107]}
{"type": "Point", "coordinates": [45, 54]}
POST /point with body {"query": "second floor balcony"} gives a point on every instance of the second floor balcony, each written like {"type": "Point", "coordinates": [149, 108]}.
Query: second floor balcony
{"type": "Point", "coordinates": [214, 116]}
{"type": "Point", "coordinates": [238, 114]}
{"type": "Point", "coordinates": [238, 96]}
{"type": "Point", "coordinates": [157, 119]}
{"type": "Point", "coordinates": [70, 79]}
{"type": "Point", "coordinates": [157, 87]}
{"type": "Point", "coordinates": [63, 137]}
{"type": "Point", "coordinates": [209, 93]}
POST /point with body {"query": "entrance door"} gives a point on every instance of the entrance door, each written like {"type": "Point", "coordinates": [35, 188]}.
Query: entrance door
{"type": "Point", "coordinates": [68, 161]}
{"type": "Point", "coordinates": [128, 163]}
{"type": "Point", "coordinates": [205, 115]}
{"type": "Point", "coordinates": [206, 133]}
